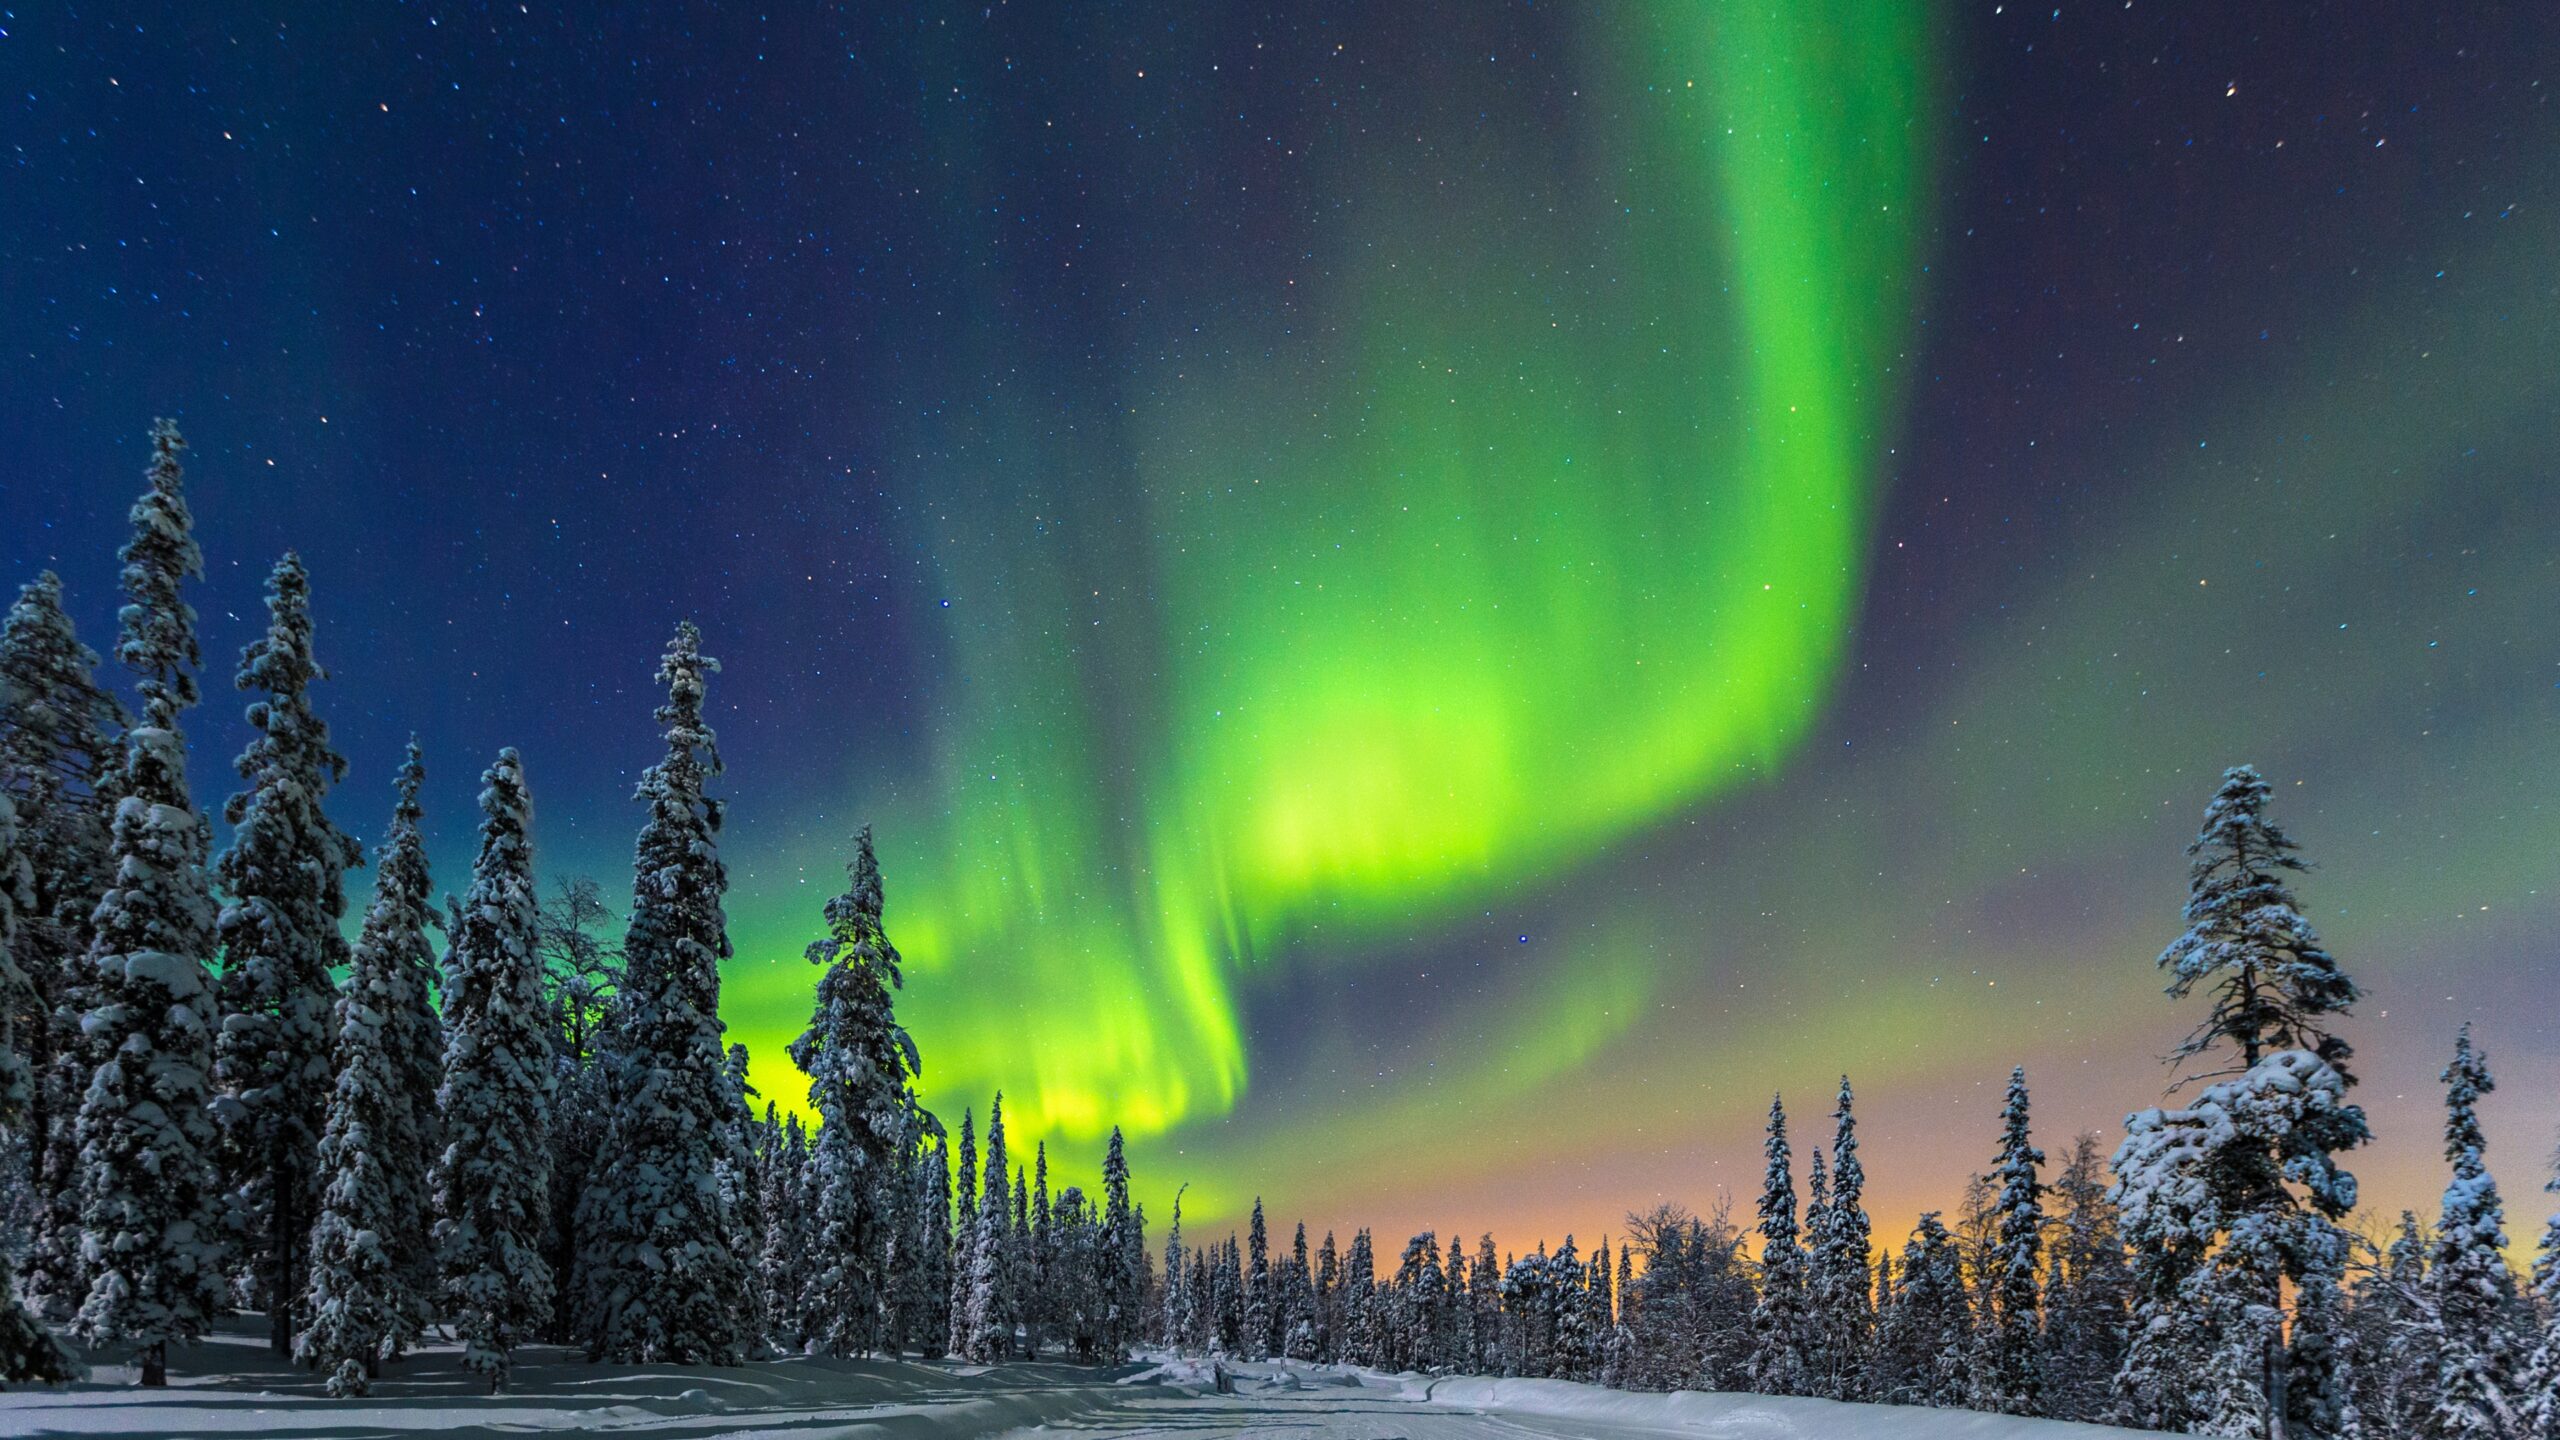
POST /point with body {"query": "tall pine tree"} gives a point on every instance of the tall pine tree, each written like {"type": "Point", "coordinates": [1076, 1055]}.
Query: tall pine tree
{"type": "Point", "coordinates": [492, 1185]}
{"type": "Point", "coordinates": [284, 879]}
{"type": "Point", "coordinates": [395, 964]}
{"type": "Point", "coordinates": [860, 1062]}
{"type": "Point", "coordinates": [2472, 1292]}
{"type": "Point", "coordinates": [672, 1282]}
{"type": "Point", "coordinates": [1778, 1321]}
{"type": "Point", "coordinates": [359, 1297]}
{"type": "Point", "coordinates": [149, 1205]}
{"type": "Point", "coordinates": [2010, 1379]}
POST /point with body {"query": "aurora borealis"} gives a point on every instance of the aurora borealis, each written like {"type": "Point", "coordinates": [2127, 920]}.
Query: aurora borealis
{"type": "Point", "coordinates": [1427, 602]}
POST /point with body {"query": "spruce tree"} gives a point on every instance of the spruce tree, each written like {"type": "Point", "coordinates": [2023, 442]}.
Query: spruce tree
{"type": "Point", "coordinates": [359, 1296]}
{"type": "Point", "coordinates": [991, 1267]}
{"type": "Point", "coordinates": [1839, 1265]}
{"type": "Point", "coordinates": [149, 1205]}
{"type": "Point", "coordinates": [2272, 985]}
{"type": "Point", "coordinates": [673, 1285]}
{"type": "Point", "coordinates": [1123, 1262]}
{"type": "Point", "coordinates": [1778, 1321]}
{"type": "Point", "coordinates": [1257, 1287]}
{"type": "Point", "coordinates": [2009, 1380]}
{"type": "Point", "coordinates": [964, 1237]}
{"type": "Point", "coordinates": [400, 970]}
{"type": "Point", "coordinates": [28, 1351]}
{"type": "Point", "coordinates": [859, 1061]}
{"type": "Point", "coordinates": [1040, 1305]}
{"type": "Point", "coordinates": [59, 755]}
{"type": "Point", "coordinates": [2469, 1286]}
{"type": "Point", "coordinates": [932, 1277]}
{"type": "Point", "coordinates": [2253, 1159]}
{"type": "Point", "coordinates": [284, 879]}
{"type": "Point", "coordinates": [492, 1184]}
{"type": "Point", "coordinates": [1926, 1333]}
{"type": "Point", "coordinates": [2319, 1372]}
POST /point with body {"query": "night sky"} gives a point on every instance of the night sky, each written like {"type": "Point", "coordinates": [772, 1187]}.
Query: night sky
{"type": "Point", "coordinates": [1428, 601]}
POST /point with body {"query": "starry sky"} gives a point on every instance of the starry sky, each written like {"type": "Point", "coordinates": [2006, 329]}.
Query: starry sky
{"type": "Point", "coordinates": [1428, 602]}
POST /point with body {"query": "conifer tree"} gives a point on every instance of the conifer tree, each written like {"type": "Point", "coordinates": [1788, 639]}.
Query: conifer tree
{"type": "Point", "coordinates": [964, 1237]}
{"type": "Point", "coordinates": [399, 968]}
{"type": "Point", "coordinates": [59, 756]}
{"type": "Point", "coordinates": [1124, 1253]}
{"type": "Point", "coordinates": [1040, 1307]}
{"type": "Point", "coordinates": [1778, 1322]}
{"type": "Point", "coordinates": [2009, 1380]}
{"type": "Point", "coordinates": [1298, 1302]}
{"type": "Point", "coordinates": [1257, 1287]}
{"type": "Point", "coordinates": [1839, 1265]}
{"type": "Point", "coordinates": [359, 1298]}
{"type": "Point", "coordinates": [2397, 1338]}
{"type": "Point", "coordinates": [1175, 1315]}
{"type": "Point", "coordinates": [932, 1218]}
{"type": "Point", "coordinates": [284, 878]}
{"type": "Point", "coordinates": [28, 1351]}
{"type": "Point", "coordinates": [153, 1256]}
{"type": "Point", "coordinates": [2469, 1286]}
{"type": "Point", "coordinates": [2272, 985]}
{"type": "Point", "coordinates": [673, 1286]}
{"type": "Point", "coordinates": [1927, 1332]}
{"type": "Point", "coordinates": [992, 1270]}
{"type": "Point", "coordinates": [2253, 1158]}
{"type": "Point", "coordinates": [492, 1184]}
{"type": "Point", "coordinates": [859, 1061]}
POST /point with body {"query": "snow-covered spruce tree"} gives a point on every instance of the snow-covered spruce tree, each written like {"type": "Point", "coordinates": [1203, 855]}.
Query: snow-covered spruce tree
{"type": "Point", "coordinates": [1576, 1347]}
{"type": "Point", "coordinates": [993, 1270]}
{"type": "Point", "coordinates": [1839, 1266]}
{"type": "Point", "coordinates": [740, 1193]}
{"type": "Point", "coordinates": [1040, 1288]}
{"type": "Point", "coordinates": [1298, 1303]}
{"type": "Point", "coordinates": [492, 1184]}
{"type": "Point", "coordinates": [2247, 944]}
{"type": "Point", "coordinates": [284, 883]}
{"type": "Point", "coordinates": [964, 1237]}
{"type": "Point", "coordinates": [2255, 1155]}
{"type": "Point", "coordinates": [2009, 1378]}
{"type": "Point", "coordinates": [28, 1351]}
{"type": "Point", "coordinates": [2084, 1301]}
{"type": "Point", "coordinates": [58, 760]}
{"type": "Point", "coordinates": [1173, 1330]}
{"type": "Point", "coordinates": [982, 1340]}
{"type": "Point", "coordinates": [400, 970]}
{"type": "Point", "coordinates": [860, 1062]}
{"type": "Point", "coordinates": [1257, 1287]}
{"type": "Point", "coordinates": [1359, 1344]}
{"type": "Point", "coordinates": [152, 1253]}
{"type": "Point", "coordinates": [359, 1296]}
{"type": "Point", "coordinates": [1778, 1320]}
{"type": "Point", "coordinates": [667, 1271]}
{"type": "Point", "coordinates": [1123, 1264]}
{"type": "Point", "coordinates": [930, 1277]}
{"type": "Point", "coordinates": [1817, 1221]}
{"type": "Point", "coordinates": [2541, 1403]}
{"type": "Point", "coordinates": [1020, 1277]}
{"type": "Point", "coordinates": [1925, 1337]}
{"type": "Point", "coordinates": [2473, 1294]}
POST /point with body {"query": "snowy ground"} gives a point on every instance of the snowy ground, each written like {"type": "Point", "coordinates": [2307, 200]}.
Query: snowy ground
{"type": "Point", "coordinates": [233, 1387]}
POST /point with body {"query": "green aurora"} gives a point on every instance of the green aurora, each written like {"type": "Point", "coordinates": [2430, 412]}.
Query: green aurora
{"type": "Point", "coordinates": [1539, 519]}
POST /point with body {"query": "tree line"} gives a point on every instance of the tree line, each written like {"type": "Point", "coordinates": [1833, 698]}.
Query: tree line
{"type": "Point", "coordinates": [214, 1101]}
{"type": "Point", "coordinates": [536, 1131]}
